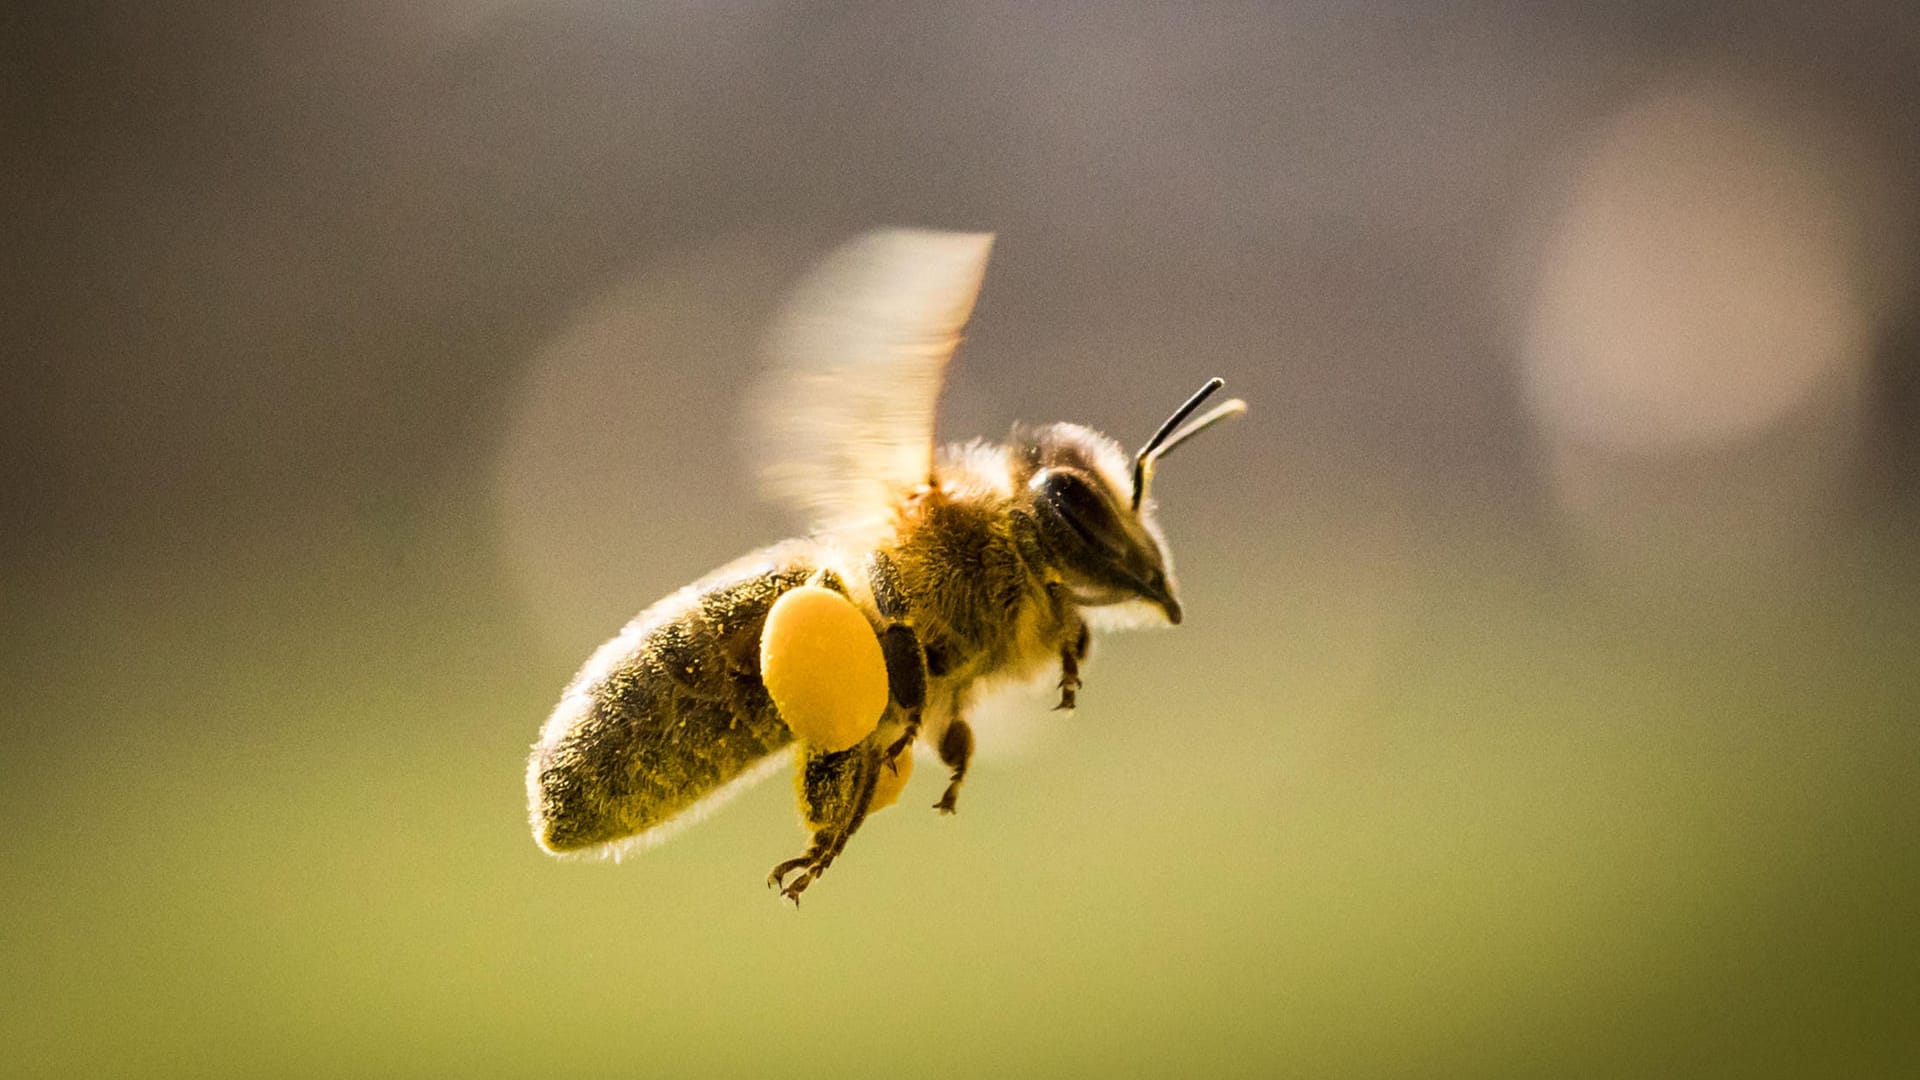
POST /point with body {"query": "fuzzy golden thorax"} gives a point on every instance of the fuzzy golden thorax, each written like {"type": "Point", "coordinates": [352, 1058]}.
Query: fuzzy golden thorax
{"type": "Point", "coordinates": [1007, 543]}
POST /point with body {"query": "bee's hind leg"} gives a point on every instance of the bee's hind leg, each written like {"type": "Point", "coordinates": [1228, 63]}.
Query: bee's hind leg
{"type": "Point", "coordinates": [778, 879]}
{"type": "Point", "coordinates": [835, 791]}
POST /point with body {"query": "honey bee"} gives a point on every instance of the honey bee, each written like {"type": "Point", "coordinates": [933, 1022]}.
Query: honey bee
{"type": "Point", "coordinates": [926, 577]}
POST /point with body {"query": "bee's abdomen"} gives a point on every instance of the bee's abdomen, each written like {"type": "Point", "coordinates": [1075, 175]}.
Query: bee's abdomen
{"type": "Point", "coordinates": [641, 754]}
{"type": "Point", "coordinates": [668, 722]}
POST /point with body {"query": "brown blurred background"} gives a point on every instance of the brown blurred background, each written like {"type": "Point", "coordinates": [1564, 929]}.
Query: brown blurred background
{"type": "Point", "coordinates": [1546, 704]}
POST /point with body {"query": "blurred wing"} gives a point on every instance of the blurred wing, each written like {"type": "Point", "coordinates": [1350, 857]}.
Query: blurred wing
{"type": "Point", "coordinates": [845, 415]}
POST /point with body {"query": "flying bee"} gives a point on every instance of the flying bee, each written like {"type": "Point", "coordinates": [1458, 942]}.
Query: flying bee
{"type": "Point", "coordinates": [927, 576]}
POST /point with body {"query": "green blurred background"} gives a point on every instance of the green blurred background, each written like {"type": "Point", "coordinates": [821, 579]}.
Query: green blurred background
{"type": "Point", "coordinates": [1546, 704]}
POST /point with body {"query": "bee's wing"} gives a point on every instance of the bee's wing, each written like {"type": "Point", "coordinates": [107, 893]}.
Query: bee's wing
{"type": "Point", "coordinates": [845, 415]}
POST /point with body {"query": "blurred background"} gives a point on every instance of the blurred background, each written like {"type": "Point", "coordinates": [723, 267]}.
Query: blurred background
{"type": "Point", "coordinates": [1546, 703]}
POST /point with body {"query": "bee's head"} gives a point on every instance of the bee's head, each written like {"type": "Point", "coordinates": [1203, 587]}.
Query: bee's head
{"type": "Point", "coordinates": [1091, 506]}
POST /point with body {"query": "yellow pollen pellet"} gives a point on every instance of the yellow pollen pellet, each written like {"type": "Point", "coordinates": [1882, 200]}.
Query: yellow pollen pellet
{"type": "Point", "coordinates": [821, 664]}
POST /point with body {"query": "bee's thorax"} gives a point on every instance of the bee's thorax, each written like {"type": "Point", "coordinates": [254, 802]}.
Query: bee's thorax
{"type": "Point", "coordinates": [979, 595]}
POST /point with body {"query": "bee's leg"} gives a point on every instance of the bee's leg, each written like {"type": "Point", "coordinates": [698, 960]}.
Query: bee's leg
{"type": "Point", "coordinates": [835, 791]}
{"type": "Point", "coordinates": [777, 879]}
{"type": "Point", "coordinates": [906, 681]}
{"type": "Point", "coordinates": [1074, 642]}
{"type": "Point", "coordinates": [840, 837]}
{"type": "Point", "coordinates": [956, 749]}
{"type": "Point", "coordinates": [900, 646]}
{"type": "Point", "coordinates": [1074, 651]}
{"type": "Point", "coordinates": [1074, 636]}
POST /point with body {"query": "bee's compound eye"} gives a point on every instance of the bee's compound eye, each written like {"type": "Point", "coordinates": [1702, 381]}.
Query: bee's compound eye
{"type": "Point", "coordinates": [822, 666]}
{"type": "Point", "coordinates": [1085, 512]}
{"type": "Point", "coordinates": [890, 782]}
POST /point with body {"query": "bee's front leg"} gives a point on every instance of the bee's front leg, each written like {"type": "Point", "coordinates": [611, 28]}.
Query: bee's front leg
{"type": "Point", "coordinates": [1072, 651]}
{"type": "Point", "coordinates": [901, 648]}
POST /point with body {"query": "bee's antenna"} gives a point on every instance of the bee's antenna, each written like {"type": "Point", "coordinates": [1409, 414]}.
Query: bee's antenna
{"type": "Point", "coordinates": [1165, 440]}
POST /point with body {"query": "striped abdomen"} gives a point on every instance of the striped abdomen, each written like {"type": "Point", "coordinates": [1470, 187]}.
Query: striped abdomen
{"type": "Point", "coordinates": [664, 717]}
